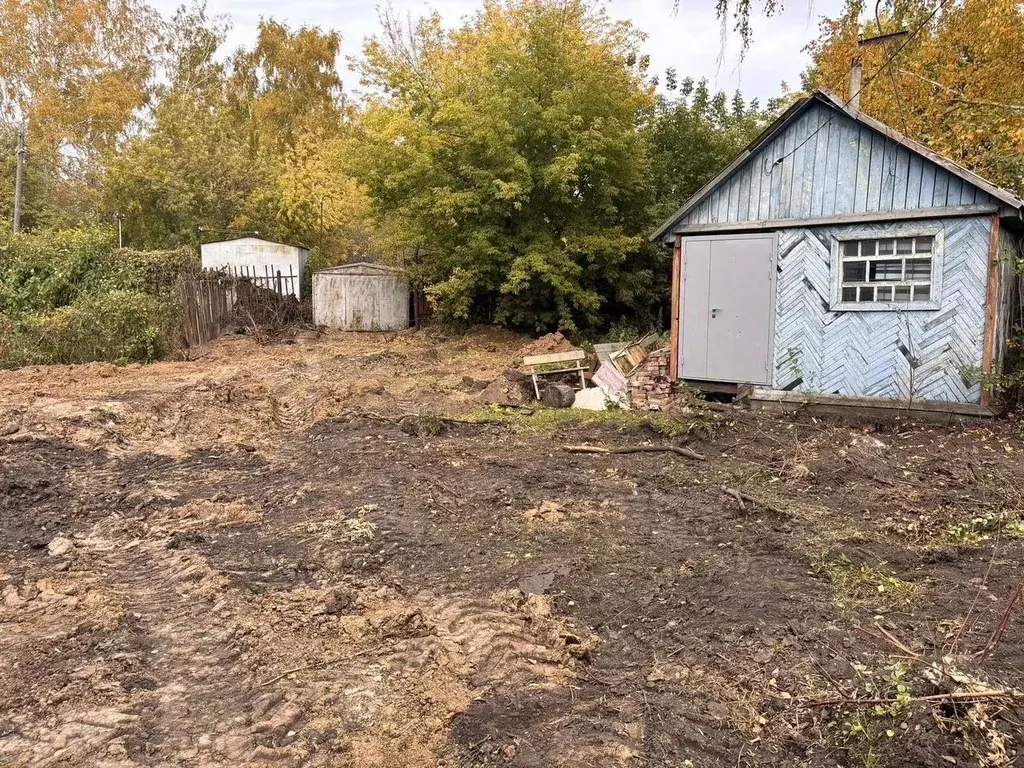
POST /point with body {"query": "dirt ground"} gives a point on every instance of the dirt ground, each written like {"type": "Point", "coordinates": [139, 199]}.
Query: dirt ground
{"type": "Point", "coordinates": [283, 555]}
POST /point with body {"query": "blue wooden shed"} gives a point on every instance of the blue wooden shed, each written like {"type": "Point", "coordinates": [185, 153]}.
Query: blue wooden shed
{"type": "Point", "coordinates": [837, 257]}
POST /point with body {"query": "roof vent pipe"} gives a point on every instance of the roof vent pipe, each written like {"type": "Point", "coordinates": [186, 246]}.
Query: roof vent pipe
{"type": "Point", "coordinates": [856, 75]}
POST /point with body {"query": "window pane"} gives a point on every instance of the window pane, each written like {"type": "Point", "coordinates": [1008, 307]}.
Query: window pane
{"type": "Point", "coordinates": [886, 247]}
{"type": "Point", "coordinates": [850, 249]}
{"type": "Point", "coordinates": [924, 245]}
{"type": "Point", "coordinates": [888, 270]}
{"type": "Point", "coordinates": [849, 294]}
{"type": "Point", "coordinates": [854, 271]}
{"type": "Point", "coordinates": [866, 293]}
{"type": "Point", "coordinates": [883, 293]}
{"type": "Point", "coordinates": [902, 293]}
{"type": "Point", "coordinates": [868, 247]}
{"type": "Point", "coordinates": [905, 245]}
{"type": "Point", "coordinates": [922, 293]}
{"type": "Point", "coordinates": [919, 269]}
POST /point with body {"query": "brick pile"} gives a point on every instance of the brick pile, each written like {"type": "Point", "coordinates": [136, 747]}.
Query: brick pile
{"type": "Point", "coordinates": [650, 386]}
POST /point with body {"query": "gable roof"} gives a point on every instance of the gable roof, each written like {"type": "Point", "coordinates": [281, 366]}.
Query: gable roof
{"type": "Point", "coordinates": [799, 109]}
{"type": "Point", "coordinates": [363, 268]}
{"type": "Point", "coordinates": [253, 237]}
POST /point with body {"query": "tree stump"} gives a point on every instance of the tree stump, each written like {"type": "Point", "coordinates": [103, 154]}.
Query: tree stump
{"type": "Point", "coordinates": [558, 396]}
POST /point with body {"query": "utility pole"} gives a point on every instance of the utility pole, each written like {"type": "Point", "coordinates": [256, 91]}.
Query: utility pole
{"type": "Point", "coordinates": [19, 177]}
{"type": "Point", "coordinates": [321, 226]}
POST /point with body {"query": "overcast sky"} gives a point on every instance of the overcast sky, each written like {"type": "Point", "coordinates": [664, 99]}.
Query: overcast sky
{"type": "Point", "coordinates": [688, 40]}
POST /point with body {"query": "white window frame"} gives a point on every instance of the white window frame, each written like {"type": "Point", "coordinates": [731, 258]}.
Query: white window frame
{"type": "Point", "coordinates": [938, 252]}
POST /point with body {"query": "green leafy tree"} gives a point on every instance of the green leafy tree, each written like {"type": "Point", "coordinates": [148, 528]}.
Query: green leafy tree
{"type": "Point", "coordinates": [189, 164]}
{"type": "Point", "coordinates": [510, 150]}
{"type": "Point", "coordinates": [694, 134]}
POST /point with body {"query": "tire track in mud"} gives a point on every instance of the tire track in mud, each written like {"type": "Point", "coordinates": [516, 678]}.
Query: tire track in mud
{"type": "Point", "coordinates": [201, 707]}
{"type": "Point", "coordinates": [211, 678]}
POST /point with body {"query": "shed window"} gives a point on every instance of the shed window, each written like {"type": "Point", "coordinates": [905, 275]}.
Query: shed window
{"type": "Point", "coordinates": [894, 270]}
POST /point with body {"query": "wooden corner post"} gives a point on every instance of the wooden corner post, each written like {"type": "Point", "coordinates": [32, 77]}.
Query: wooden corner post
{"type": "Point", "coordinates": [677, 297]}
{"type": "Point", "coordinates": [988, 350]}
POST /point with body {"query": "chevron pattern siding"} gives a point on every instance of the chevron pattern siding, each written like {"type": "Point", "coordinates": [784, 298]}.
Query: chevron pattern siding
{"type": "Point", "coordinates": [883, 354]}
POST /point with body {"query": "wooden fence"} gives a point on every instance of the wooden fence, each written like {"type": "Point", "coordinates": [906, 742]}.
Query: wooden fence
{"type": "Point", "coordinates": [207, 304]}
{"type": "Point", "coordinates": [211, 299]}
{"type": "Point", "coordinates": [267, 278]}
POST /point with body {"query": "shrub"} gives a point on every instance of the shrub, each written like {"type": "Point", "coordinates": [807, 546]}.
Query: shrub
{"type": "Point", "coordinates": [71, 297]}
{"type": "Point", "coordinates": [116, 326]}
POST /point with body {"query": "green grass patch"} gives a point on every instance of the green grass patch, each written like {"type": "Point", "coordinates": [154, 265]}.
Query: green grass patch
{"type": "Point", "coordinates": [863, 584]}
{"type": "Point", "coordinates": [985, 527]}
{"type": "Point", "coordinates": [543, 420]}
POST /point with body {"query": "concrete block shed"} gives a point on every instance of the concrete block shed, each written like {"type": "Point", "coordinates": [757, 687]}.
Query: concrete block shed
{"type": "Point", "coordinates": [271, 265]}
{"type": "Point", "coordinates": [361, 297]}
{"type": "Point", "coordinates": [835, 256]}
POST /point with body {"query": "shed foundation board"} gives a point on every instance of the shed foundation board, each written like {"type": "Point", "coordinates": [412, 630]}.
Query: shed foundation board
{"type": "Point", "coordinates": [931, 410]}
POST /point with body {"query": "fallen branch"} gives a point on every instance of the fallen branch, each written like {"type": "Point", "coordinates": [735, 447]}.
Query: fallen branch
{"type": "Point", "coordinates": [940, 697]}
{"type": "Point", "coordinates": [742, 496]}
{"type": "Point", "coordinates": [736, 495]}
{"type": "Point", "coordinates": [636, 449]}
{"type": "Point", "coordinates": [1004, 622]}
{"type": "Point", "coordinates": [884, 634]}
{"type": "Point", "coordinates": [319, 665]}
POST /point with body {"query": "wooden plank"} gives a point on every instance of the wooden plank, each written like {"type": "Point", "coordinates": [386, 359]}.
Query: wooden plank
{"type": "Point", "coordinates": [846, 179]}
{"type": "Point", "coordinates": [721, 198]}
{"type": "Point", "coordinates": [733, 212]}
{"type": "Point", "coordinates": [819, 164]}
{"type": "Point", "coordinates": [914, 175]}
{"type": "Point", "coordinates": [803, 179]}
{"type": "Point", "coordinates": [781, 173]}
{"type": "Point", "coordinates": [754, 193]}
{"type": "Point", "coordinates": [877, 170]}
{"type": "Point", "coordinates": [555, 357]}
{"type": "Point", "coordinates": [890, 165]}
{"type": "Point", "coordinates": [991, 302]}
{"type": "Point", "coordinates": [955, 194]}
{"type": "Point", "coordinates": [673, 352]}
{"type": "Point", "coordinates": [928, 172]}
{"type": "Point", "coordinates": [828, 202]}
{"type": "Point", "coordinates": [902, 174]}
{"type": "Point", "coordinates": [851, 218]}
{"type": "Point", "coordinates": [939, 194]}
{"type": "Point", "coordinates": [862, 174]}
{"type": "Point", "coordinates": [743, 194]}
{"type": "Point", "coordinates": [923, 408]}
{"type": "Point", "coordinates": [790, 190]}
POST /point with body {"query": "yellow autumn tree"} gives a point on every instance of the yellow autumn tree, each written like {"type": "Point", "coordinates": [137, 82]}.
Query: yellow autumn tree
{"type": "Point", "coordinates": [77, 70]}
{"type": "Point", "coordinates": [957, 84]}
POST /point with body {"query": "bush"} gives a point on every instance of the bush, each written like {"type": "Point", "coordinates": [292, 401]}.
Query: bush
{"type": "Point", "coordinates": [117, 326]}
{"type": "Point", "coordinates": [71, 297]}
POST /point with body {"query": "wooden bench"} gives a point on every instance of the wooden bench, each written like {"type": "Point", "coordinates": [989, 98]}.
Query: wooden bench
{"type": "Point", "coordinates": [558, 362]}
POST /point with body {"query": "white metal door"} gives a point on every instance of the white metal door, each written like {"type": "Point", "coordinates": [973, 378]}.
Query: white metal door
{"type": "Point", "coordinates": [727, 313]}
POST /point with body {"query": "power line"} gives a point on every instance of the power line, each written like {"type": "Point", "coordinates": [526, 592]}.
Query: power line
{"type": "Point", "coordinates": [892, 77]}
{"type": "Point", "coordinates": [767, 170]}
